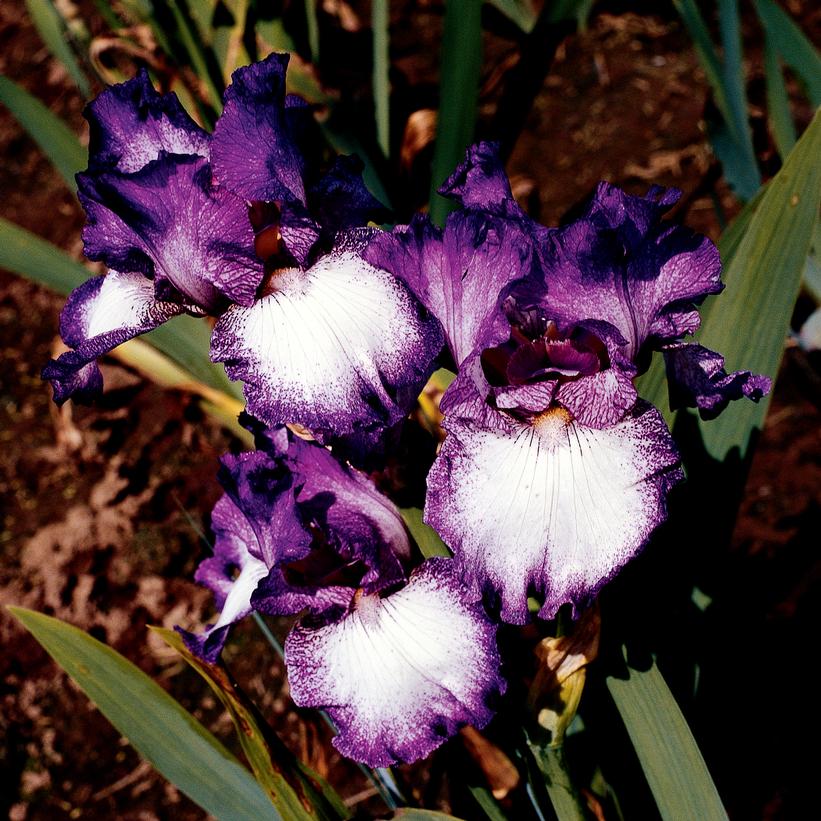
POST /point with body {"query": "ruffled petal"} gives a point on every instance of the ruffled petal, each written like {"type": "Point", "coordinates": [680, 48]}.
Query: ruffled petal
{"type": "Point", "coordinates": [232, 573]}
{"type": "Point", "coordinates": [99, 315]}
{"type": "Point", "coordinates": [263, 490]}
{"type": "Point", "coordinates": [621, 264]}
{"type": "Point", "coordinates": [252, 149]}
{"type": "Point", "coordinates": [697, 379]}
{"type": "Point", "coordinates": [457, 274]}
{"type": "Point", "coordinates": [130, 124]}
{"type": "Point", "coordinates": [167, 222]}
{"type": "Point", "coordinates": [399, 675]}
{"type": "Point", "coordinates": [552, 507]}
{"type": "Point", "coordinates": [339, 347]}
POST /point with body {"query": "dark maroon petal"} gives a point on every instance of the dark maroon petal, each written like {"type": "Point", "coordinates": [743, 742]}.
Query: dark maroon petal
{"type": "Point", "coordinates": [253, 150]}
{"type": "Point", "coordinates": [130, 124]}
{"type": "Point", "coordinates": [168, 222]}
{"type": "Point", "coordinates": [697, 379]}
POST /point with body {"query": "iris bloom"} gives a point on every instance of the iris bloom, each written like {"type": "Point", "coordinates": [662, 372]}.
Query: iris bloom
{"type": "Point", "coordinates": [400, 662]}
{"type": "Point", "coordinates": [240, 225]}
{"type": "Point", "coordinates": [554, 473]}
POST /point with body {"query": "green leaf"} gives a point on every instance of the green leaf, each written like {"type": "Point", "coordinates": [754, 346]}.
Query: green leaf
{"type": "Point", "coordinates": [312, 25]}
{"type": "Point", "coordinates": [488, 804]}
{"type": "Point", "coordinates": [296, 790]}
{"type": "Point", "coordinates": [427, 539]}
{"type": "Point", "coordinates": [228, 44]}
{"type": "Point", "coordinates": [165, 734]}
{"type": "Point", "coordinates": [381, 65]}
{"type": "Point", "coordinates": [666, 749]}
{"type": "Point", "coordinates": [50, 27]}
{"type": "Point", "coordinates": [458, 95]}
{"type": "Point", "coordinates": [778, 102]}
{"type": "Point", "coordinates": [749, 322]}
{"type": "Point", "coordinates": [184, 339]}
{"type": "Point", "coordinates": [37, 259]}
{"type": "Point", "coordinates": [414, 814]}
{"type": "Point", "coordinates": [520, 12]}
{"type": "Point", "coordinates": [57, 141]}
{"type": "Point", "coordinates": [792, 44]}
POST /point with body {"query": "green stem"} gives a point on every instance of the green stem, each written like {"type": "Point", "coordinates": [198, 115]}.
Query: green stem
{"type": "Point", "coordinates": [563, 795]}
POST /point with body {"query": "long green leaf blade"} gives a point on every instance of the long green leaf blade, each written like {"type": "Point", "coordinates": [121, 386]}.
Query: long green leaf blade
{"type": "Point", "coordinates": [794, 47]}
{"type": "Point", "coordinates": [296, 790]}
{"type": "Point", "coordinates": [381, 64]}
{"type": "Point", "coordinates": [57, 141]}
{"type": "Point", "coordinates": [458, 95]}
{"type": "Point", "coordinates": [50, 27]}
{"type": "Point", "coordinates": [664, 744]}
{"type": "Point", "coordinates": [165, 734]}
{"type": "Point", "coordinates": [778, 102]}
{"type": "Point", "coordinates": [749, 322]}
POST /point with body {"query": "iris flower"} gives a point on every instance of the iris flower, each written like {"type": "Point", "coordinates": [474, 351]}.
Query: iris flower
{"type": "Point", "coordinates": [554, 473]}
{"type": "Point", "coordinates": [399, 661]}
{"type": "Point", "coordinates": [241, 226]}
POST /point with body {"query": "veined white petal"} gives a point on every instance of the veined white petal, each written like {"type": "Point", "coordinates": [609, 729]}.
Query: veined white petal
{"type": "Point", "coordinates": [329, 347]}
{"type": "Point", "coordinates": [554, 506]}
{"type": "Point", "coordinates": [123, 301]}
{"type": "Point", "coordinates": [399, 674]}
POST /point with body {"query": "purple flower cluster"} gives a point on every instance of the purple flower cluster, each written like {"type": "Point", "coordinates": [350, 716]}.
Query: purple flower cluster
{"type": "Point", "coordinates": [553, 473]}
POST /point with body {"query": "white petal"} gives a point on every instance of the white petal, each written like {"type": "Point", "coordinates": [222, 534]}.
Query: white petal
{"type": "Point", "coordinates": [555, 506]}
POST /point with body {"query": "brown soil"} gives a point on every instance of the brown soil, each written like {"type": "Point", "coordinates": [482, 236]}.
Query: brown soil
{"type": "Point", "coordinates": [102, 506]}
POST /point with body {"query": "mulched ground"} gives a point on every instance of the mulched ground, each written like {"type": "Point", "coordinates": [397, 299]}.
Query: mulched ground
{"type": "Point", "coordinates": [101, 507]}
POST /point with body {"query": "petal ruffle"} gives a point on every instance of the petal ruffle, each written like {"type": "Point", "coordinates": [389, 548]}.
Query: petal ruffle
{"type": "Point", "coordinates": [697, 379]}
{"type": "Point", "coordinates": [168, 222]}
{"type": "Point", "coordinates": [253, 151]}
{"type": "Point", "coordinates": [621, 264]}
{"type": "Point", "coordinates": [99, 315]}
{"type": "Point", "coordinates": [399, 675]}
{"type": "Point", "coordinates": [339, 347]}
{"type": "Point", "coordinates": [552, 507]}
{"type": "Point", "coordinates": [130, 124]}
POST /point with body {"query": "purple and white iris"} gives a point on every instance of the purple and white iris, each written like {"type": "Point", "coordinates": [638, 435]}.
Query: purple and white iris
{"type": "Point", "coordinates": [553, 473]}
{"type": "Point", "coordinates": [240, 225]}
{"type": "Point", "coordinates": [399, 661]}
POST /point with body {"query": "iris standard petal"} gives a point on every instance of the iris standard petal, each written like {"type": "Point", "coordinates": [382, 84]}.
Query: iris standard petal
{"type": "Point", "coordinates": [252, 150]}
{"type": "Point", "coordinates": [400, 674]}
{"type": "Point", "coordinates": [130, 124]}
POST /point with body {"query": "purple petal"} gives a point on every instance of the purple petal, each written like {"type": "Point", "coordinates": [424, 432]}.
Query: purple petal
{"type": "Point", "coordinates": [621, 264]}
{"type": "Point", "coordinates": [232, 573]}
{"type": "Point", "coordinates": [252, 150]}
{"type": "Point", "coordinates": [263, 489]}
{"type": "Point", "coordinates": [99, 315]}
{"type": "Point", "coordinates": [399, 675]}
{"type": "Point", "coordinates": [130, 124]}
{"type": "Point", "coordinates": [697, 379]}
{"type": "Point", "coordinates": [341, 200]}
{"type": "Point", "coordinates": [459, 274]}
{"type": "Point", "coordinates": [167, 222]}
{"type": "Point", "coordinates": [553, 507]}
{"type": "Point", "coordinates": [337, 348]}
{"type": "Point", "coordinates": [359, 521]}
